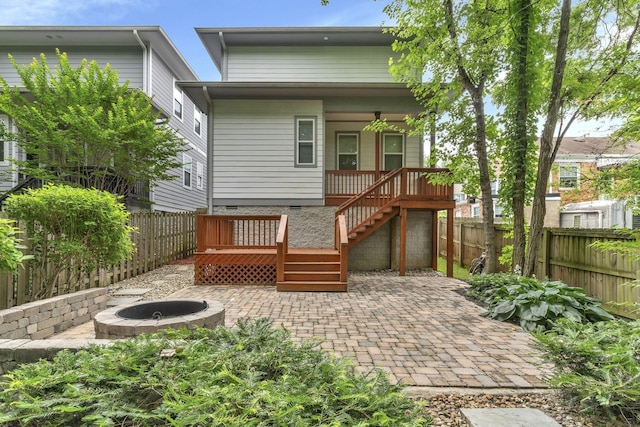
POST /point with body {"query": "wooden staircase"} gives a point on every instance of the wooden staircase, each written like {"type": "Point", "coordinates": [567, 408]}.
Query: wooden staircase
{"type": "Point", "coordinates": [312, 270]}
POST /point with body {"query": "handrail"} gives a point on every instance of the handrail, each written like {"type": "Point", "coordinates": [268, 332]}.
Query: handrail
{"type": "Point", "coordinates": [282, 246]}
{"type": "Point", "coordinates": [236, 231]}
{"type": "Point", "coordinates": [342, 245]}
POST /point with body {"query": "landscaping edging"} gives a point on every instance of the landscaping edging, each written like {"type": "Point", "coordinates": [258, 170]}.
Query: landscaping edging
{"type": "Point", "coordinates": [41, 319]}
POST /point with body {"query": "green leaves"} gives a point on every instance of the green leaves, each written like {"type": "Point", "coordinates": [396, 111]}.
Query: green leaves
{"type": "Point", "coordinates": [537, 305]}
{"type": "Point", "coordinates": [251, 375]}
{"type": "Point", "coordinates": [11, 256]}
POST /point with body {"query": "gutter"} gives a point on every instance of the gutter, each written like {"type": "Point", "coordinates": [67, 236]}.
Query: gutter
{"type": "Point", "coordinates": [209, 151]}
{"type": "Point", "coordinates": [224, 66]}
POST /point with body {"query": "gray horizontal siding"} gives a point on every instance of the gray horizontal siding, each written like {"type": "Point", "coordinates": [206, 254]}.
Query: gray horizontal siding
{"type": "Point", "coordinates": [310, 64]}
{"type": "Point", "coordinates": [127, 60]}
{"type": "Point", "coordinates": [254, 151]}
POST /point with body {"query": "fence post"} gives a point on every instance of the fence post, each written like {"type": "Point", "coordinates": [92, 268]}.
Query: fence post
{"type": "Point", "coordinates": [461, 234]}
{"type": "Point", "coordinates": [545, 254]}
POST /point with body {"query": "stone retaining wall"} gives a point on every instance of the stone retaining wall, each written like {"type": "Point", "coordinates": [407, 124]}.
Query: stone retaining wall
{"type": "Point", "coordinates": [41, 319]}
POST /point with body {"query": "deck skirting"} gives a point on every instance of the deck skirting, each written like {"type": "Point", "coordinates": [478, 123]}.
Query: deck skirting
{"type": "Point", "coordinates": [235, 267]}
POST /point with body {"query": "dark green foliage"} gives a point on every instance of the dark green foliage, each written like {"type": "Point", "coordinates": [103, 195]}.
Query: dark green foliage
{"type": "Point", "coordinates": [535, 304]}
{"type": "Point", "coordinates": [251, 375]}
{"type": "Point", "coordinates": [598, 363]}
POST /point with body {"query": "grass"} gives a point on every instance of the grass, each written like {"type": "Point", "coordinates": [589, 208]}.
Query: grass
{"type": "Point", "coordinates": [458, 272]}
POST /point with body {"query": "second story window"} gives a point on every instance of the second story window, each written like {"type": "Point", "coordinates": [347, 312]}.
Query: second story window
{"type": "Point", "coordinates": [197, 120]}
{"type": "Point", "coordinates": [187, 164]}
{"type": "Point", "coordinates": [4, 127]}
{"type": "Point", "coordinates": [393, 151]}
{"type": "Point", "coordinates": [568, 176]}
{"type": "Point", "coordinates": [347, 151]}
{"type": "Point", "coordinates": [305, 141]}
{"type": "Point", "coordinates": [177, 101]}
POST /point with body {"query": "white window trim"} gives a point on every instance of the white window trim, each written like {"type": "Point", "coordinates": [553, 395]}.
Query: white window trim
{"type": "Point", "coordinates": [473, 208]}
{"type": "Point", "coordinates": [187, 160]}
{"type": "Point", "coordinates": [197, 116]}
{"type": "Point", "coordinates": [577, 166]}
{"type": "Point", "coordinates": [199, 176]}
{"type": "Point", "coordinates": [404, 149]}
{"type": "Point", "coordinates": [314, 142]}
{"type": "Point", "coordinates": [6, 143]}
{"type": "Point", "coordinates": [178, 95]}
{"type": "Point", "coordinates": [357, 153]}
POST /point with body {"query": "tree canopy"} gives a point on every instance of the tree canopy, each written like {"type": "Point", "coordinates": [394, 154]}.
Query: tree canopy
{"type": "Point", "coordinates": [81, 126]}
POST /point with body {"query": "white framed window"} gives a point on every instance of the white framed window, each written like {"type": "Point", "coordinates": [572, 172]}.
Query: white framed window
{"type": "Point", "coordinates": [187, 165]}
{"type": "Point", "coordinates": [497, 210]}
{"type": "Point", "coordinates": [4, 143]}
{"type": "Point", "coordinates": [199, 176]}
{"type": "Point", "coordinates": [475, 211]}
{"type": "Point", "coordinates": [348, 147]}
{"type": "Point", "coordinates": [568, 176]}
{"type": "Point", "coordinates": [305, 149]}
{"type": "Point", "coordinates": [392, 151]}
{"type": "Point", "coordinates": [197, 120]}
{"type": "Point", "coordinates": [177, 100]}
{"type": "Point", "coordinates": [577, 221]}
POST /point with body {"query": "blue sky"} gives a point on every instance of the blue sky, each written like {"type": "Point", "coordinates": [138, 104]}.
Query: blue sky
{"type": "Point", "coordinates": [179, 18]}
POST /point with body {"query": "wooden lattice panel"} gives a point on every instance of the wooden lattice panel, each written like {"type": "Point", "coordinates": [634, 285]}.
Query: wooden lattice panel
{"type": "Point", "coordinates": [235, 269]}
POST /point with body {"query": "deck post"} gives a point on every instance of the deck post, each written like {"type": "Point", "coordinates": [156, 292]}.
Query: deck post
{"type": "Point", "coordinates": [378, 150]}
{"type": "Point", "coordinates": [434, 240]}
{"type": "Point", "coordinates": [403, 242]}
{"type": "Point", "coordinates": [449, 242]}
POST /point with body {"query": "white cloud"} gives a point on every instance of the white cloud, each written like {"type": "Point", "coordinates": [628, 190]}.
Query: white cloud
{"type": "Point", "coordinates": [59, 12]}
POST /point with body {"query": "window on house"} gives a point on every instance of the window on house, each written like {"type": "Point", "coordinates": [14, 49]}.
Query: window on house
{"type": "Point", "coordinates": [393, 151]}
{"type": "Point", "coordinates": [199, 176]}
{"type": "Point", "coordinates": [576, 221]}
{"type": "Point", "coordinates": [305, 141]}
{"type": "Point", "coordinates": [568, 176]}
{"type": "Point", "coordinates": [347, 151]}
{"type": "Point", "coordinates": [187, 164]}
{"type": "Point", "coordinates": [635, 222]}
{"type": "Point", "coordinates": [495, 186]}
{"type": "Point", "coordinates": [4, 127]}
{"type": "Point", "coordinates": [497, 210]}
{"type": "Point", "coordinates": [197, 120]}
{"type": "Point", "coordinates": [177, 101]}
{"type": "Point", "coordinates": [475, 211]}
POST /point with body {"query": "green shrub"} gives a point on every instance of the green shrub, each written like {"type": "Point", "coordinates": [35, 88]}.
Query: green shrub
{"type": "Point", "coordinates": [597, 363]}
{"type": "Point", "coordinates": [10, 255]}
{"type": "Point", "coordinates": [535, 304]}
{"type": "Point", "coordinates": [251, 375]}
{"type": "Point", "coordinates": [73, 229]}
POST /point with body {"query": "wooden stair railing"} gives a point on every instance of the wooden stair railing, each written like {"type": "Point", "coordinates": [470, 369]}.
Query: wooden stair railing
{"type": "Point", "coordinates": [312, 269]}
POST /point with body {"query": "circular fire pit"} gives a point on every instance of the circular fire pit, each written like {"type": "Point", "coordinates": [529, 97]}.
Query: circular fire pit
{"type": "Point", "coordinates": [147, 317]}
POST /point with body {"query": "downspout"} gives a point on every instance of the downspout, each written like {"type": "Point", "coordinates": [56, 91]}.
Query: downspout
{"type": "Point", "coordinates": [209, 151]}
{"type": "Point", "coordinates": [378, 149]}
{"type": "Point", "coordinates": [145, 64]}
{"type": "Point", "coordinates": [224, 65]}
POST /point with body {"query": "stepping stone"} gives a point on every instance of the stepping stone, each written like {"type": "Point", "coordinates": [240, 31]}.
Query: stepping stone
{"type": "Point", "coordinates": [508, 417]}
{"type": "Point", "coordinates": [158, 282]}
{"type": "Point", "coordinates": [122, 300]}
{"type": "Point", "coordinates": [131, 292]}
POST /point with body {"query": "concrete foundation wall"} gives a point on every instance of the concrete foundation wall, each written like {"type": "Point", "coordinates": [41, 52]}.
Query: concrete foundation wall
{"type": "Point", "coordinates": [41, 319]}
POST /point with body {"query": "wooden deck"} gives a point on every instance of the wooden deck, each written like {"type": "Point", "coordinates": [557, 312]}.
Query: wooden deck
{"type": "Point", "coordinates": [254, 250]}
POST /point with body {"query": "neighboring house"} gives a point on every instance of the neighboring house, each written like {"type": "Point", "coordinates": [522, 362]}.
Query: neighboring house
{"type": "Point", "coordinates": [286, 135]}
{"type": "Point", "coordinates": [148, 59]}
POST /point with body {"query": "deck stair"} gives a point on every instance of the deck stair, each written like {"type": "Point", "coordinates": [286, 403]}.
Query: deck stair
{"type": "Point", "coordinates": [312, 270]}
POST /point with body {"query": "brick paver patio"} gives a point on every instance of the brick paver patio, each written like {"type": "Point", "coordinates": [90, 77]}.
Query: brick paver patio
{"type": "Point", "coordinates": [417, 328]}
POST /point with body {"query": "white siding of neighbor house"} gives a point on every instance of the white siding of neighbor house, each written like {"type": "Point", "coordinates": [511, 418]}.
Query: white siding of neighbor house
{"type": "Point", "coordinates": [127, 60]}
{"type": "Point", "coordinates": [367, 154]}
{"type": "Point", "coordinates": [172, 196]}
{"type": "Point", "coordinates": [309, 64]}
{"type": "Point", "coordinates": [253, 152]}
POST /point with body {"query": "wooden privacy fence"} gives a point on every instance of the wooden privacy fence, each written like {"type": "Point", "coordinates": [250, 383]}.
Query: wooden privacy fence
{"type": "Point", "coordinates": [565, 255]}
{"type": "Point", "coordinates": [160, 237]}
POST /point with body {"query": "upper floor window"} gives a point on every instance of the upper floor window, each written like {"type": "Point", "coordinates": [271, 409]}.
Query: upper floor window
{"type": "Point", "coordinates": [197, 120]}
{"type": "Point", "coordinates": [177, 101]}
{"type": "Point", "coordinates": [568, 176]}
{"type": "Point", "coordinates": [393, 151]}
{"type": "Point", "coordinates": [305, 141]}
{"type": "Point", "coordinates": [475, 211]}
{"type": "Point", "coordinates": [187, 164]}
{"type": "Point", "coordinates": [347, 151]}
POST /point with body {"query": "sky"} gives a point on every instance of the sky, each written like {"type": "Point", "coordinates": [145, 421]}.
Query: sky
{"type": "Point", "coordinates": [178, 18]}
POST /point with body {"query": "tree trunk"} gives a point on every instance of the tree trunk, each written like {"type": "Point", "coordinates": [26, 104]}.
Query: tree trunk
{"type": "Point", "coordinates": [547, 149]}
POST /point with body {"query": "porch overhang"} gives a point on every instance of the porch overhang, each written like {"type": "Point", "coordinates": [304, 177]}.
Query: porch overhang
{"type": "Point", "coordinates": [388, 97]}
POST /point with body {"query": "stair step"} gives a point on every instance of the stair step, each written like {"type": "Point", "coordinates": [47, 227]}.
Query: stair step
{"type": "Point", "coordinates": [317, 286]}
{"type": "Point", "coordinates": [312, 266]}
{"type": "Point", "coordinates": [311, 276]}
{"type": "Point", "coordinates": [312, 258]}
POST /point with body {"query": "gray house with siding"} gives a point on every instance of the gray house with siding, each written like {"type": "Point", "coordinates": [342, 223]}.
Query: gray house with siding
{"type": "Point", "coordinates": [146, 57]}
{"type": "Point", "coordinates": [286, 135]}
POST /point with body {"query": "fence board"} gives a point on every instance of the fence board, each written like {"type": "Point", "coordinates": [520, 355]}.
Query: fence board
{"type": "Point", "coordinates": [160, 238]}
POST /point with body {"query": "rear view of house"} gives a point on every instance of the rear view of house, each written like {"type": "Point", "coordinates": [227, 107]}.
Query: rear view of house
{"type": "Point", "coordinates": [147, 58]}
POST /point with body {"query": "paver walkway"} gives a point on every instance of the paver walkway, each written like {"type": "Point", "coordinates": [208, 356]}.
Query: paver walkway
{"type": "Point", "coordinates": [417, 328]}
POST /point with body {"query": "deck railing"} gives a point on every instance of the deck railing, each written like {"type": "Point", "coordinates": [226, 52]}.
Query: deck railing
{"type": "Point", "coordinates": [400, 184]}
{"type": "Point", "coordinates": [347, 183]}
{"type": "Point", "coordinates": [237, 231]}
{"type": "Point", "coordinates": [282, 244]}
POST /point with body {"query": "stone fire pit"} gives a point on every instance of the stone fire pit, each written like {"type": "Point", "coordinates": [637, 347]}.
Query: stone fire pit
{"type": "Point", "coordinates": [150, 316]}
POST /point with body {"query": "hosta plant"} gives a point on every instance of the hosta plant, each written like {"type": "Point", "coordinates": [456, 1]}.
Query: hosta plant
{"type": "Point", "coordinates": [251, 375]}
{"type": "Point", "coordinates": [538, 304]}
